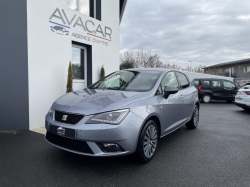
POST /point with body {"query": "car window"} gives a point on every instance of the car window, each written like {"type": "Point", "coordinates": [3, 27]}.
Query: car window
{"type": "Point", "coordinates": [183, 80]}
{"type": "Point", "coordinates": [228, 85]}
{"type": "Point", "coordinates": [205, 83]}
{"type": "Point", "coordinates": [159, 91]}
{"type": "Point", "coordinates": [139, 81]}
{"type": "Point", "coordinates": [196, 83]}
{"type": "Point", "coordinates": [215, 84]}
{"type": "Point", "coordinates": [169, 80]}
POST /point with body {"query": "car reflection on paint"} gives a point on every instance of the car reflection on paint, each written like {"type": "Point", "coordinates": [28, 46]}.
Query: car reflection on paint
{"type": "Point", "coordinates": [59, 30]}
{"type": "Point", "coordinates": [124, 113]}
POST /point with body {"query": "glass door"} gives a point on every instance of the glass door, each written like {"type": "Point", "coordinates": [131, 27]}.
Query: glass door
{"type": "Point", "coordinates": [79, 67]}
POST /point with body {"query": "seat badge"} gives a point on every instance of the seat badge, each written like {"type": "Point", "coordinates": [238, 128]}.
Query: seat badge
{"type": "Point", "coordinates": [64, 118]}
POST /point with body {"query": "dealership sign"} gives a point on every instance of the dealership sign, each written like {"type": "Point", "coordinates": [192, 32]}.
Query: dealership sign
{"type": "Point", "coordinates": [62, 23]}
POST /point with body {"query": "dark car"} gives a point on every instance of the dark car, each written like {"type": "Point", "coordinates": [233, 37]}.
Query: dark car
{"type": "Point", "coordinates": [215, 89]}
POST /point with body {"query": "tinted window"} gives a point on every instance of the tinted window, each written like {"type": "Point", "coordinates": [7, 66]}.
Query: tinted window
{"type": "Point", "coordinates": [169, 80]}
{"type": "Point", "coordinates": [139, 81]}
{"type": "Point", "coordinates": [205, 83]}
{"type": "Point", "coordinates": [196, 83]}
{"type": "Point", "coordinates": [228, 85]}
{"type": "Point", "coordinates": [215, 84]}
{"type": "Point", "coordinates": [183, 80]}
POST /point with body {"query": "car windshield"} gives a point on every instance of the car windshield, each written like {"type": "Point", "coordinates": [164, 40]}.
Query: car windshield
{"type": "Point", "coordinates": [138, 81]}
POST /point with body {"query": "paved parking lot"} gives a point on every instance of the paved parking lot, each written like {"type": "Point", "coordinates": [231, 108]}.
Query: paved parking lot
{"type": "Point", "coordinates": [215, 154]}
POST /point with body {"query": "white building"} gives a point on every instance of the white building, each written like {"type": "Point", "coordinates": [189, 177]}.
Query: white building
{"type": "Point", "coordinates": [39, 39]}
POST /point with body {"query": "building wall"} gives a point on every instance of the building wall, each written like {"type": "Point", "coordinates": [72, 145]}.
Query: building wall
{"type": "Point", "coordinates": [49, 53]}
{"type": "Point", "coordinates": [14, 66]}
{"type": "Point", "coordinates": [222, 70]}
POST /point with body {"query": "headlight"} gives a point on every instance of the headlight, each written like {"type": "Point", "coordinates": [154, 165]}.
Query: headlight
{"type": "Point", "coordinates": [114, 117]}
{"type": "Point", "coordinates": [51, 111]}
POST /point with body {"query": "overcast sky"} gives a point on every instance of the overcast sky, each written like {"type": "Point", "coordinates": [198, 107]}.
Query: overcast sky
{"type": "Point", "coordinates": [202, 31]}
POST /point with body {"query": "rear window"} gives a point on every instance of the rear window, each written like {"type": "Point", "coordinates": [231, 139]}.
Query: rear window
{"type": "Point", "coordinates": [196, 83]}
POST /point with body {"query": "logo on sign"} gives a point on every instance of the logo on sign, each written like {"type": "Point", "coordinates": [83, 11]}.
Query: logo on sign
{"type": "Point", "coordinates": [59, 30]}
{"type": "Point", "coordinates": [60, 131]}
{"type": "Point", "coordinates": [64, 118]}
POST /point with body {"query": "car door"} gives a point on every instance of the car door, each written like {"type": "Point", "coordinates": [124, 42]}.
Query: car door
{"type": "Point", "coordinates": [188, 94]}
{"type": "Point", "coordinates": [172, 106]}
{"type": "Point", "coordinates": [216, 88]}
{"type": "Point", "coordinates": [229, 90]}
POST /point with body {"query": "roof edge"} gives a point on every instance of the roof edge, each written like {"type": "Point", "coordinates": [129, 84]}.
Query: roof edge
{"type": "Point", "coordinates": [123, 4]}
{"type": "Point", "coordinates": [229, 63]}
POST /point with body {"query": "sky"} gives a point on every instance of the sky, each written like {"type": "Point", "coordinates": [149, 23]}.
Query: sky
{"type": "Point", "coordinates": [204, 32]}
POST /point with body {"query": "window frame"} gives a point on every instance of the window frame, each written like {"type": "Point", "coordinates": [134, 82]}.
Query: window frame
{"type": "Point", "coordinates": [217, 80]}
{"type": "Point", "coordinates": [223, 85]}
{"type": "Point", "coordinates": [162, 91]}
{"type": "Point", "coordinates": [95, 9]}
{"type": "Point", "coordinates": [82, 63]}
{"type": "Point", "coordinates": [180, 87]}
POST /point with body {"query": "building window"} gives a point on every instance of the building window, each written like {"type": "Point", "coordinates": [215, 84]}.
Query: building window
{"type": "Point", "coordinates": [232, 70]}
{"type": "Point", "coordinates": [246, 69]}
{"type": "Point", "coordinates": [82, 6]}
{"type": "Point", "coordinates": [91, 8]}
{"type": "Point", "coordinates": [78, 65]}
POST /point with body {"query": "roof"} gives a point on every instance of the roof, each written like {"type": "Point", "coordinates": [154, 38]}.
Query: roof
{"type": "Point", "coordinates": [229, 63]}
{"type": "Point", "coordinates": [149, 69]}
{"type": "Point", "coordinates": [122, 8]}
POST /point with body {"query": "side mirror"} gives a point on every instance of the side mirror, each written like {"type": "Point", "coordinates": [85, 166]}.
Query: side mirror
{"type": "Point", "coordinates": [169, 90]}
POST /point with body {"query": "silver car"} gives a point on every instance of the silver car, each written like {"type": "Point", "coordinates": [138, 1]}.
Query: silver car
{"type": "Point", "coordinates": [126, 112]}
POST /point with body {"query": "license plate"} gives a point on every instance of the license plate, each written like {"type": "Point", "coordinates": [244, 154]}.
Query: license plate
{"type": "Point", "coordinates": [61, 131]}
{"type": "Point", "coordinates": [238, 99]}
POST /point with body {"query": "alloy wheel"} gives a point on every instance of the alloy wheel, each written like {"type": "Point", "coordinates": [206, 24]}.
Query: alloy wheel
{"type": "Point", "coordinates": [150, 141]}
{"type": "Point", "coordinates": [196, 116]}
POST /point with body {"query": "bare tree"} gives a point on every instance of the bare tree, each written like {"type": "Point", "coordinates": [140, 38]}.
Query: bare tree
{"type": "Point", "coordinates": [144, 58]}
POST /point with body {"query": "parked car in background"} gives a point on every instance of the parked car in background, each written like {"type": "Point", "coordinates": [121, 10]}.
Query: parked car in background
{"type": "Point", "coordinates": [126, 112]}
{"type": "Point", "coordinates": [242, 99]}
{"type": "Point", "coordinates": [215, 89]}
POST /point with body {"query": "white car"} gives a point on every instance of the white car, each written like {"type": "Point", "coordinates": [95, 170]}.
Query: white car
{"type": "Point", "coordinates": [242, 99]}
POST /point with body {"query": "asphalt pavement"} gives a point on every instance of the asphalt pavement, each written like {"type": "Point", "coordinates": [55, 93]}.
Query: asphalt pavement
{"type": "Point", "coordinates": [217, 153]}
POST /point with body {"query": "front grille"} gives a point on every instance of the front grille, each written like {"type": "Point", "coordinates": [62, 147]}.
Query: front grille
{"type": "Point", "coordinates": [71, 118]}
{"type": "Point", "coordinates": [74, 145]}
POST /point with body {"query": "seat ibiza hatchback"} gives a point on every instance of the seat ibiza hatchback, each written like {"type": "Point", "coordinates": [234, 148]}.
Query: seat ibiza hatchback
{"type": "Point", "coordinates": [126, 112]}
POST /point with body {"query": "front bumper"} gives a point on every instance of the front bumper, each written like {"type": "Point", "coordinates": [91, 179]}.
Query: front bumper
{"type": "Point", "coordinates": [125, 135]}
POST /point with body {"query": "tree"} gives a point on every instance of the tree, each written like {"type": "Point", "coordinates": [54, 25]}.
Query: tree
{"type": "Point", "coordinates": [70, 79]}
{"type": "Point", "coordinates": [144, 58]}
{"type": "Point", "coordinates": [102, 72]}
{"type": "Point", "coordinates": [126, 65]}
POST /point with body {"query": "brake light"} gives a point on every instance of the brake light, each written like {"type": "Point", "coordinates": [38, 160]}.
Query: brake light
{"type": "Point", "coordinates": [200, 88]}
{"type": "Point", "coordinates": [248, 93]}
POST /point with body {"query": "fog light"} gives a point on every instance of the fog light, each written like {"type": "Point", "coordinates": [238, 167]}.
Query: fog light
{"type": "Point", "coordinates": [110, 147]}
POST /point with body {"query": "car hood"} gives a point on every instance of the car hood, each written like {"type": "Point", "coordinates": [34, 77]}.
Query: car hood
{"type": "Point", "coordinates": [92, 101]}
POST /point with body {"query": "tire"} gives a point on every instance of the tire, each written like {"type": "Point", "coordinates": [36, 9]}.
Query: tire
{"type": "Point", "coordinates": [246, 109]}
{"type": "Point", "coordinates": [148, 142]}
{"type": "Point", "coordinates": [206, 98]}
{"type": "Point", "coordinates": [194, 122]}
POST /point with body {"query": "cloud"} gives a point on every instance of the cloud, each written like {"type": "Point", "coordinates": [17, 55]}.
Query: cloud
{"type": "Point", "coordinates": [244, 17]}
{"type": "Point", "coordinates": [204, 32]}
